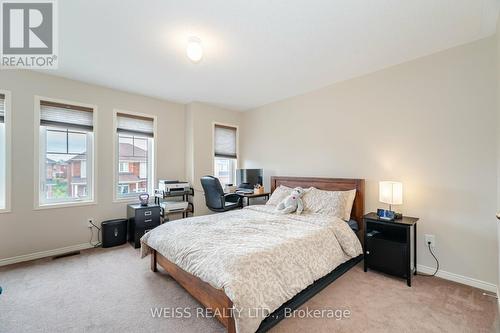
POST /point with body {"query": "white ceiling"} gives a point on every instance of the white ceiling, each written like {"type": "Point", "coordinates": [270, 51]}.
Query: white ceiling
{"type": "Point", "coordinates": [256, 51]}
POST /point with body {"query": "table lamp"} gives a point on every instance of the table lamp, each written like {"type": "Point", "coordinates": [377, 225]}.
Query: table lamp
{"type": "Point", "coordinates": [390, 193]}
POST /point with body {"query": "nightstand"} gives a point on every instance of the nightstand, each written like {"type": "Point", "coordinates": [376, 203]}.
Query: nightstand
{"type": "Point", "coordinates": [389, 245]}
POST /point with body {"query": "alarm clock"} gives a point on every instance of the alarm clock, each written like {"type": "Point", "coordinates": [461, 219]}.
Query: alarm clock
{"type": "Point", "coordinates": [385, 214]}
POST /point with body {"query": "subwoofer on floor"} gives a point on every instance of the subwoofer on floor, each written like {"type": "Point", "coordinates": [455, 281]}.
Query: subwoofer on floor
{"type": "Point", "coordinates": [114, 232]}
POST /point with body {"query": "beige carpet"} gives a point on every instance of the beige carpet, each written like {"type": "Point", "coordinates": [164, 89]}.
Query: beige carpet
{"type": "Point", "coordinates": [111, 290]}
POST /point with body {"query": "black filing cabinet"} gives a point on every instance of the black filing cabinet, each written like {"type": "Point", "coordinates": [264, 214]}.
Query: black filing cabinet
{"type": "Point", "coordinates": [390, 247]}
{"type": "Point", "coordinates": [141, 219]}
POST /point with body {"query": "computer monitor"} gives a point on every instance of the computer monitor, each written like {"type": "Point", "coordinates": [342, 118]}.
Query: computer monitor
{"type": "Point", "coordinates": [248, 178]}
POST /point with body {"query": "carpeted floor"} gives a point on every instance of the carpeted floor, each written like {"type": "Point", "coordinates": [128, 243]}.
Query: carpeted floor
{"type": "Point", "coordinates": [110, 290]}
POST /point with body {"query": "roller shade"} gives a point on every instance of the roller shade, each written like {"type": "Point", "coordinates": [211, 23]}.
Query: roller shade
{"type": "Point", "coordinates": [225, 141]}
{"type": "Point", "coordinates": [2, 108]}
{"type": "Point", "coordinates": [134, 125]}
{"type": "Point", "coordinates": [68, 116]}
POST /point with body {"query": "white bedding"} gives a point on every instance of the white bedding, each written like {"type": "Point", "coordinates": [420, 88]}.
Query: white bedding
{"type": "Point", "coordinates": [260, 259]}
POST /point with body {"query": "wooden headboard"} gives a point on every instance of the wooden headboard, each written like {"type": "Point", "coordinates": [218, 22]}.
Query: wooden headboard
{"type": "Point", "coordinates": [331, 184]}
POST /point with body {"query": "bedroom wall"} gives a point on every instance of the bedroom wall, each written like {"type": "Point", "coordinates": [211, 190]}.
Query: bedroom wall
{"type": "Point", "coordinates": [200, 118]}
{"type": "Point", "coordinates": [25, 230]}
{"type": "Point", "coordinates": [498, 142]}
{"type": "Point", "coordinates": [430, 123]}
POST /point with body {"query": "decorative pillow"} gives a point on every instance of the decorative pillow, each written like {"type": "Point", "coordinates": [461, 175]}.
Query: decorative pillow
{"type": "Point", "coordinates": [336, 203]}
{"type": "Point", "coordinates": [280, 193]}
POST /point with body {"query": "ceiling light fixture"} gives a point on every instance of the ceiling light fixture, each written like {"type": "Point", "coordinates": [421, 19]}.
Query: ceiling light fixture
{"type": "Point", "coordinates": [194, 49]}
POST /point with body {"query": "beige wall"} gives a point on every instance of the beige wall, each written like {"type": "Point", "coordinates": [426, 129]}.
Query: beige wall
{"type": "Point", "coordinates": [26, 230]}
{"type": "Point", "coordinates": [199, 149]}
{"type": "Point", "coordinates": [498, 142]}
{"type": "Point", "coordinates": [430, 123]}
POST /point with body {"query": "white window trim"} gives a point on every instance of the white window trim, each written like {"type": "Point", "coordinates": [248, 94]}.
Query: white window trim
{"type": "Point", "coordinates": [8, 150]}
{"type": "Point", "coordinates": [237, 146]}
{"type": "Point", "coordinates": [94, 173]}
{"type": "Point", "coordinates": [116, 198]}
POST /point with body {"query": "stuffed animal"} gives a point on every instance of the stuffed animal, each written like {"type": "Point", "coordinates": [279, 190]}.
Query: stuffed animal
{"type": "Point", "coordinates": [292, 203]}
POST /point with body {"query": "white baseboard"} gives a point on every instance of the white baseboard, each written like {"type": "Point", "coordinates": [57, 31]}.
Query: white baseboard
{"type": "Point", "coordinates": [43, 254]}
{"type": "Point", "coordinates": [498, 298]}
{"type": "Point", "coordinates": [459, 278]}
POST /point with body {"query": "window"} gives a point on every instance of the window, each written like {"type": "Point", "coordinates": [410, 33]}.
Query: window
{"type": "Point", "coordinates": [4, 177]}
{"type": "Point", "coordinates": [225, 153]}
{"type": "Point", "coordinates": [135, 155]}
{"type": "Point", "coordinates": [66, 153]}
{"type": "Point", "coordinates": [123, 189]}
{"type": "Point", "coordinates": [123, 168]}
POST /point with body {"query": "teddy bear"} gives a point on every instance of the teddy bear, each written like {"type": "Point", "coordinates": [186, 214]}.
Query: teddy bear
{"type": "Point", "coordinates": [292, 203]}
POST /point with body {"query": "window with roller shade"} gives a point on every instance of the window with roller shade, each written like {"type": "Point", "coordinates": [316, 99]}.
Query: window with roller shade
{"type": "Point", "coordinates": [135, 155]}
{"type": "Point", "coordinates": [225, 153]}
{"type": "Point", "coordinates": [3, 157]}
{"type": "Point", "coordinates": [66, 153]}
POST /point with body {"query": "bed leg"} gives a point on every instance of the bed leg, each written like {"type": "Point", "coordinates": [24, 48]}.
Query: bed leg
{"type": "Point", "coordinates": [231, 327]}
{"type": "Point", "coordinates": [153, 261]}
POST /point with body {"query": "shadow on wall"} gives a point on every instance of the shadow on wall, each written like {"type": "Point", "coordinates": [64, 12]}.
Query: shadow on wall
{"type": "Point", "coordinates": [200, 207]}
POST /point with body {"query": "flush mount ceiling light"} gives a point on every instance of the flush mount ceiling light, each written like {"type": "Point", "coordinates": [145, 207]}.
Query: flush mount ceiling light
{"type": "Point", "coordinates": [194, 49]}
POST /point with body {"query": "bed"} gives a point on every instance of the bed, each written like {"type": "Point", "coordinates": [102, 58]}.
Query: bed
{"type": "Point", "coordinates": [288, 258]}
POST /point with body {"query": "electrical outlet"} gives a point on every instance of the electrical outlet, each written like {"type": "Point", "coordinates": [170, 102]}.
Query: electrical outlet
{"type": "Point", "coordinates": [89, 223]}
{"type": "Point", "coordinates": [430, 239]}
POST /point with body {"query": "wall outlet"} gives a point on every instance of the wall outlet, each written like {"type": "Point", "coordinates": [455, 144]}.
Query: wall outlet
{"type": "Point", "coordinates": [89, 223]}
{"type": "Point", "coordinates": [430, 239]}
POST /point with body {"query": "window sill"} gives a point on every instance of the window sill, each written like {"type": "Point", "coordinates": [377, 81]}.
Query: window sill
{"type": "Point", "coordinates": [65, 205]}
{"type": "Point", "coordinates": [126, 200]}
{"type": "Point", "coordinates": [5, 210]}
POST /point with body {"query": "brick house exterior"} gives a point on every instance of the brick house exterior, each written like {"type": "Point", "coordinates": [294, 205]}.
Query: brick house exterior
{"type": "Point", "coordinates": [69, 179]}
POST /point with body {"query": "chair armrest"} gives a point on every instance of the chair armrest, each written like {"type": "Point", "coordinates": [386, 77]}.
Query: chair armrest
{"type": "Point", "coordinates": [231, 197]}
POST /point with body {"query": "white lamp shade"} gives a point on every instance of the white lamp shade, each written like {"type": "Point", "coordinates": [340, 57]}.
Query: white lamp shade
{"type": "Point", "coordinates": [391, 193]}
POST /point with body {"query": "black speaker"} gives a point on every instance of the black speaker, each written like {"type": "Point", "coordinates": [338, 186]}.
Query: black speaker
{"type": "Point", "coordinates": [114, 232]}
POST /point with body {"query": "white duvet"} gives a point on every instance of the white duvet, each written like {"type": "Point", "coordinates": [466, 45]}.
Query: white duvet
{"type": "Point", "coordinates": [260, 259]}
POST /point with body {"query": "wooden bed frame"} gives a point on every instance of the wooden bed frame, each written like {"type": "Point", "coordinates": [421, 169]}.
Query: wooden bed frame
{"type": "Point", "coordinates": [216, 299]}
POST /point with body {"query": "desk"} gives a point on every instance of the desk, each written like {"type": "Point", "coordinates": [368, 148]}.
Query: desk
{"type": "Point", "coordinates": [251, 196]}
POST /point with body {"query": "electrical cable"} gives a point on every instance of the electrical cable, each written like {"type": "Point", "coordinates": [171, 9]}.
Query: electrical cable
{"type": "Point", "coordinates": [437, 263]}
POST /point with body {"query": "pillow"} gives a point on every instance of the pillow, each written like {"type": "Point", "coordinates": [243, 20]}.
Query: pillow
{"type": "Point", "coordinates": [280, 193]}
{"type": "Point", "coordinates": [336, 203]}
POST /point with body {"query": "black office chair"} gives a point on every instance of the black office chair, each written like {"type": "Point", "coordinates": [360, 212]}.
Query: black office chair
{"type": "Point", "coordinates": [216, 199]}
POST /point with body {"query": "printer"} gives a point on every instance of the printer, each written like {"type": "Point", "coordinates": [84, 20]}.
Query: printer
{"type": "Point", "coordinates": [173, 206]}
{"type": "Point", "coordinates": [171, 186]}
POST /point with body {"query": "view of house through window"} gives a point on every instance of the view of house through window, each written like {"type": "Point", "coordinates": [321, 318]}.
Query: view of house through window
{"type": "Point", "coordinates": [135, 140]}
{"type": "Point", "coordinates": [225, 153]}
{"type": "Point", "coordinates": [66, 139]}
{"type": "Point", "coordinates": [225, 169]}
{"type": "Point", "coordinates": [133, 161]}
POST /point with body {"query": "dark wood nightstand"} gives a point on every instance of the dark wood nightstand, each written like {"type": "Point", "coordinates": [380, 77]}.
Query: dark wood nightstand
{"type": "Point", "coordinates": [388, 245]}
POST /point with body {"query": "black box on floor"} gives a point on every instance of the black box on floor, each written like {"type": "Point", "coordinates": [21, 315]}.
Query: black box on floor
{"type": "Point", "coordinates": [114, 232]}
